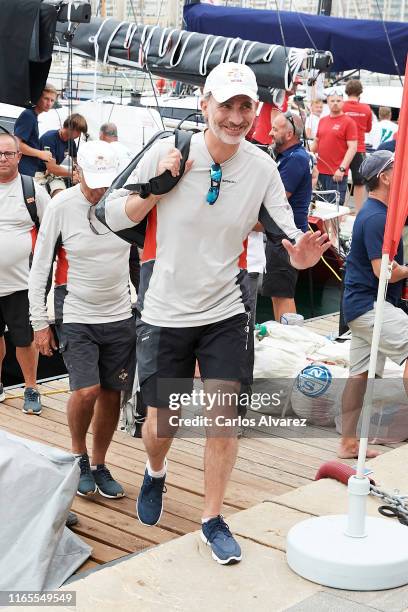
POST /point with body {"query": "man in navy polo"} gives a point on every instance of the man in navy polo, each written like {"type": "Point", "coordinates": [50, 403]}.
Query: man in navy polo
{"type": "Point", "coordinates": [63, 149]}
{"type": "Point", "coordinates": [295, 167]}
{"type": "Point", "coordinates": [360, 294]}
{"type": "Point", "coordinates": [26, 130]}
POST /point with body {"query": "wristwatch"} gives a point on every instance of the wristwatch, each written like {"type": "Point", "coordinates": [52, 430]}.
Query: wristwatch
{"type": "Point", "coordinates": [342, 169]}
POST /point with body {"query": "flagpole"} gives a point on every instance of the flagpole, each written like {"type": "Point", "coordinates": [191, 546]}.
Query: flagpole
{"type": "Point", "coordinates": [356, 551]}
{"type": "Point", "coordinates": [358, 487]}
{"type": "Point", "coordinates": [385, 274]}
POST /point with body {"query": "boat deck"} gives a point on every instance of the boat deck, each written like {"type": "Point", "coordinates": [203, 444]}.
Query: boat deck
{"type": "Point", "coordinates": [266, 466]}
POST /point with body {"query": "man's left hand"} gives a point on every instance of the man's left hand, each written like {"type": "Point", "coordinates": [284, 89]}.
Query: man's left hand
{"type": "Point", "coordinates": [308, 250]}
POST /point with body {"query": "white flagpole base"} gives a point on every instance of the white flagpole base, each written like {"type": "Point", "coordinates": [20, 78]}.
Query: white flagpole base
{"type": "Point", "coordinates": [319, 550]}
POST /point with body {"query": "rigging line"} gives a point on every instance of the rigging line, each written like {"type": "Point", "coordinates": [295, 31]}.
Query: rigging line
{"type": "Point", "coordinates": [304, 26]}
{"type": "Point", "coordinates": [284, 41]}
{"type": "Point", "coordinates": [154, 93]}
{"type": "Point", "coordinates": [135, 19]}
{"type": "Point", "coordinates": [69, 79]}
{"type": "Point", "coordinates": [300, 110]}
{"type": "Point", "coordinates": [389, 43]}
{"type": "Point", "coordinates": [160, 10]}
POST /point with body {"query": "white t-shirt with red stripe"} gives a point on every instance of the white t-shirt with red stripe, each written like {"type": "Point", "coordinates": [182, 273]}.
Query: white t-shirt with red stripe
{"type": "Point", "coordinates": [93, 268]}
{"type": "Point", "coordinates": [197, 248]}
{"type": "Point", "coordinates": [17, 235]}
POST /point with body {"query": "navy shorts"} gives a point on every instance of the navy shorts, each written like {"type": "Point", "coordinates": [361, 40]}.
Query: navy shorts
{"type": "Point", "coordinates": [99, 354]}
{"type": "Point", "coordinates": [355, 169]}
{"type": "Point", "coordinates": [280, 278]}
{"type": "Point", "coordinates": [14, 312]}
{"type": "Point", "coordinates": [166, 356]}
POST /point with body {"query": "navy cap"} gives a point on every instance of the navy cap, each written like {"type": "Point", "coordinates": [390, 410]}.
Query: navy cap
{"type": "Point", "coordinates": [375, 163]}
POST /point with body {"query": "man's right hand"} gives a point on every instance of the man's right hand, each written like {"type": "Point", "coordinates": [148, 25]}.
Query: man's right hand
{"type": "Point", "coordinates": [172, 163]}
{"type": "Point", "coordinates": [45, 342]}
{"type": "Point", "coordinates": [45, 156]}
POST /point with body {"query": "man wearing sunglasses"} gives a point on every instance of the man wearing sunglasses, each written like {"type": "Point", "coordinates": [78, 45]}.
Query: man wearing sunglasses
{"type": "Point", "coordinates": [295, 167]}
{"type": "Point", "coordinates": [17, 239]}
{"type": "Point", "coordinates": [193, 296]}
{"type": "Point", "coordinates": [360, 293]}
{"type": "Point", "coordinates": [96, 330]}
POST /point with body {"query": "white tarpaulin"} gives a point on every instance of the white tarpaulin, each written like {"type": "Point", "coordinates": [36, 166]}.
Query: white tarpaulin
{"type": "Point", "coordinates": [37, 486]}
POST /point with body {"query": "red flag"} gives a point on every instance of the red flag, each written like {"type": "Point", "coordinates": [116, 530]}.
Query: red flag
{"type": "Point", "coordinates": [398, 207]}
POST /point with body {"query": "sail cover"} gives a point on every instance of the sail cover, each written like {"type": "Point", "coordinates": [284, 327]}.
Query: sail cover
{"type": "Point", "coordinates": [27, 30]}
{"type": "Point", "coordinates": [354, 43]}
{"type": "Point", "coordinates": [190, 56]}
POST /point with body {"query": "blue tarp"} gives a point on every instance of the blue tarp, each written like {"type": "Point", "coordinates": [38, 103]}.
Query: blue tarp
{"type": "Point", "coordinates": [354, 43]}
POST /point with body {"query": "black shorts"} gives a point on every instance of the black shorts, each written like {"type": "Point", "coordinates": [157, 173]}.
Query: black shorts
{"type": "Point", "coordinates": [14, 312]}
{"type": "Point", "coordinates": [280, 278]}
{"type": "Point", "coordinates": [166, 356]}
{"type": "Point", "coordinates": [99, 354]}
{"type": "Point", "coordinates": [355, 168]}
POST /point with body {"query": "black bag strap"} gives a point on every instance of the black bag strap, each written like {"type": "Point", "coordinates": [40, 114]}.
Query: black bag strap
{"type": "Point", "coordinates": [157, 185]}
{"type": "Point", "coordinates": [27, 183]}
{"type": "Point", "coordinates": [165, 182]}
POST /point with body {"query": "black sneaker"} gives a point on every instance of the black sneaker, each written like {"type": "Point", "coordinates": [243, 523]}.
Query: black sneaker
{"type": "Point", "coordinates": [87, 484]}
{"type": "Point", "coordinates": [107, 485]}
{"type": "Point", "coordinates": [217, 534]}
{"type": "Point", "coordinates": [149, 505]}
{"type": "Point", "coordinates": [2, 394]}
{"type": "Point", "coordinates": [72, 519]}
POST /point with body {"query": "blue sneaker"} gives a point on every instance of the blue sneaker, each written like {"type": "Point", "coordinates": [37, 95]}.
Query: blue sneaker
{"type": "Point", "coordinates": [107, 485]}
{"type": "Point", "coordinates": [225, 548]}
{"type": "Point", "coordinates": [32, 401]}
{"type": "Point", "coordinates": [87, 484]}
{"type": "Point", "coordinates": [149, 505]}
{"type": "Point", "coordinates": [2, 394]}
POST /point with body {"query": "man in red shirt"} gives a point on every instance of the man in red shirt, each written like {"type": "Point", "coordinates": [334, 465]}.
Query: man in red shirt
{"type": "Point", "coordinates": [335, 145]}
{"type": "Point", "coordinates": [362, 115]}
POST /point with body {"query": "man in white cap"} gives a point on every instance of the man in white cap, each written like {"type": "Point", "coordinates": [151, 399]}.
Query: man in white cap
{"type": "Point", "coordinates": [193, 295]}
{"type": "Point", "coordinates": [96, 330]}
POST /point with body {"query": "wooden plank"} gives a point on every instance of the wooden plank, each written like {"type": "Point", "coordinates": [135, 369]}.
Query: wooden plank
{"type": "Point", "coordinates": [252, 458]}
{"type": "Point", "coordinates": [183, 499]}
{"type": "Point", "coordinates": [88, 565]}
{"type": "Point", "coordinates": [106, 534]}
{"type": "Point", "coordinates": [123, 475]}
{"type": "Point", "coordinates": [238, 494]}
{"type": "Point", "coordinates": [120, 521]}
{"type": "Point", "coordinates": [102, 553]}
{"type": "Point", "coordinates": [245, 465]}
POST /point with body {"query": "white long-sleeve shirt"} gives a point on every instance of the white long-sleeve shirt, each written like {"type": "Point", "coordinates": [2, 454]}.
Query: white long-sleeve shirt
{"type": "Point", "coordinates": [17, 235]}
{"type": "Point", "coordinates": [194, 251]}
{"type": "Point", "coordinates": [93, 269]}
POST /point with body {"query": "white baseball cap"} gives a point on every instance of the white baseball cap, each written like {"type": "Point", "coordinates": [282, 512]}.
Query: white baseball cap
{"type": "Point", "coordinates": [231, 79]}
{"type": "Point", "coordinates": [99, 163]}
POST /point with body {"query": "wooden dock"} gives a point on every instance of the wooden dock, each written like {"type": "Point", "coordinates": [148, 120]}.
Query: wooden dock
{"type": "Point", "coordinates": [266, 466]}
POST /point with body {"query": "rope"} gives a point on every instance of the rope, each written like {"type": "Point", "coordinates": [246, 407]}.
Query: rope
{"type": "Point", "coordinates": [54, 392]}
{"type": "Point", "coordinates": [324, 260]}
{"type": "Point", "coordinates": [94, 40]}
{"type": "Point", "coordinates": [389, 43]}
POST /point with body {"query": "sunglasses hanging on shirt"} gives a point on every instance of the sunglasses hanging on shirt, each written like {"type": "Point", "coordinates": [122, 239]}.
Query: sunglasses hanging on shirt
{"type": "Point", "coordinates": [214, 190]}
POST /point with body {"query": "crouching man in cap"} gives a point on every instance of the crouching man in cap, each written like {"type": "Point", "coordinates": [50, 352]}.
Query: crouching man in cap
{"type": "Point", "coordinates": [360, 294]}
{"type": "Point", "coordinates": [96, 330]}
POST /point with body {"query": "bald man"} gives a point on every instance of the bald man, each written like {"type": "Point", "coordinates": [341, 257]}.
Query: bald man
{"type": "Point", "coordinates": [295, 167]}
